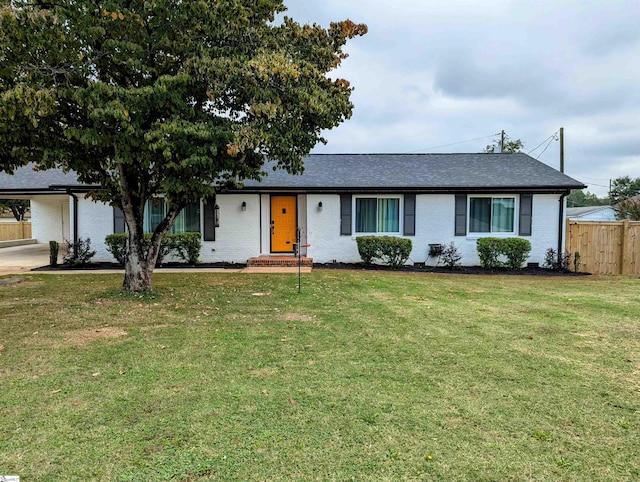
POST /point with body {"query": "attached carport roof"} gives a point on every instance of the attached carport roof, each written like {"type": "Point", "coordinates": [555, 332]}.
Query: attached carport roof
{"type": "Point", "coordinates": [26, 180]}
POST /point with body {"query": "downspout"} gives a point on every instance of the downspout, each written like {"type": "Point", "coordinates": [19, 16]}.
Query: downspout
{"type": "Point", "coordinates": [561, 228]}
{"type": "Point", "coordinates": [75, 216]}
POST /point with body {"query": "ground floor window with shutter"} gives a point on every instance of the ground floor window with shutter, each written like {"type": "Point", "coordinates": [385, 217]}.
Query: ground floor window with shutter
{"type": "Point", "coordinates": [188, 221]}
{"type": "Point", "coordinates": [492, 214]}
{"type": "Point", "coordinates": [377, 215]}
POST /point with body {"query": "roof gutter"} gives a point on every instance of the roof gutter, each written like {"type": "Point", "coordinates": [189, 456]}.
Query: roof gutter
{"type": "Point", "coordinates": [561, 228]}
{"type": "Point", "coordinates": [75, 216]}
{"type": "Point", "coordinates": [400, 190]}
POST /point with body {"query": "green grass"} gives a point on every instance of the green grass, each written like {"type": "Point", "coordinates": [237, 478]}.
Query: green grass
{"type": "Point", "coordinates": [363, 376]}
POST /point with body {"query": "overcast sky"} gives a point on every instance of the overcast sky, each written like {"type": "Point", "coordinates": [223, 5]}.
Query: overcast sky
{"type": "Point", "coordinates": [433, 73]}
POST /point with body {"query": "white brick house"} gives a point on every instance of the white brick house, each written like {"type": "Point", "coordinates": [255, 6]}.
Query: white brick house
{"type": "Point", "coordinates": [429, 198]}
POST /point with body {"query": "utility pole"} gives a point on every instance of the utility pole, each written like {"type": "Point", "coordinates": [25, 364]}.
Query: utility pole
{"type": "Point", "coordinates": [502, 141]}
{"type": "Point", "coordinates": [562, 149]}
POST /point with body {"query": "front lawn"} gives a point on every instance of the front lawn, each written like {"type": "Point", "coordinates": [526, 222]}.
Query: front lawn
{"type": "Point", "coordinates": [363, 376]}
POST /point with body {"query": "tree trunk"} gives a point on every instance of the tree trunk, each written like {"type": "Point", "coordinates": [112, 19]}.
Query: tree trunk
{"type": "Point", "coordinates": [142, 255]}
{"type": "Point", "coordinates": [137, 270]}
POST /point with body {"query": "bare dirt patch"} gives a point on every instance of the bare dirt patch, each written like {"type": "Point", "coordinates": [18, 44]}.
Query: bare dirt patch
{"type": "Point", "coordinates": [12, 280]}
{"type": "Point", "coordinates": [298, 317]}
{"type": "Point", "coordinates": [84, 337]}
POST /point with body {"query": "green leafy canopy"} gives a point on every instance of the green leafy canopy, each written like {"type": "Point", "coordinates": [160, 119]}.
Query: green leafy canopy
{"type": "Point", "coordinates": [165, 96]}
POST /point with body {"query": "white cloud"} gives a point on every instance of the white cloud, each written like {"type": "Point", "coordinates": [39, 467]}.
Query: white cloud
{"type": "Point", "coordinates": [435, 73]}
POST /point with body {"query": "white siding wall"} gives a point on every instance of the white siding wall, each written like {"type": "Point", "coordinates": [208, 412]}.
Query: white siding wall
{"type": "Point", "coordinates": [95, 221]}
{"type": "Point", "coordinates": [323, 231]}
{"type": "Point", "coordinates": [238, 236]}
{"type": "Point", "coordinates": [434, 225]}
{"type": "Point", "coordinates": [50, 218]}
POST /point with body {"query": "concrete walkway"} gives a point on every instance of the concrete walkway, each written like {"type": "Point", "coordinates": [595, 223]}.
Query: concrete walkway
{"type": "Point", "coordinates": [22, 259]}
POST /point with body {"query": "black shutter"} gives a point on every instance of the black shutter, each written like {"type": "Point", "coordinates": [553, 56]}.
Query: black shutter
{"type": "Point", "coordinates": [461, 215]}
{"type": "Point", "coordinates": [118, 221]}
{"type": "Point", "coordinates": [209, 219]}
{"type": "Point", "coordinates": [409, 214]}
{"type": "Point", "coordinates": [526, 210]}
{"type": "Point", "coordinates": [345, 214]}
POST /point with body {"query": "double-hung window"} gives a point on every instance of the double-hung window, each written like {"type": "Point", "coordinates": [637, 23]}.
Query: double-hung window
{"type": "Point", "coordinates": [187, 221]}
{"type": "Point", "coordinates": [492, 214]}
{"type": "Point", "coordinates": [377, 215]}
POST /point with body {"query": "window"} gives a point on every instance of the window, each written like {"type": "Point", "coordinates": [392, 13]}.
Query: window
{"type": "Point", "coordinates": [187, 221]}
{"type": "Point", "coordinates": [377, 215]}
{"type": "Point", "coordinates": [492, 214]}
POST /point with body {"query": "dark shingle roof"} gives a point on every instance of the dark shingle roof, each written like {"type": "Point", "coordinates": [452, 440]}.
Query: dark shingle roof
{"type": "Point", "coordinates": [421, 172]}
{"type": "Point", "coordinates": [369, 172]}
{"type": "Point", "coordinates": [25, 179]}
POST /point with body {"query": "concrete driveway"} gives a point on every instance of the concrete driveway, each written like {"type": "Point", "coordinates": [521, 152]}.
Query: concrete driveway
{"type": "Point", "coordinates": [21, 259]}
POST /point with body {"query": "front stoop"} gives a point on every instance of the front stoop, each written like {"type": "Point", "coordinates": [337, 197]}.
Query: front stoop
{"type": "Point", "coordinates": [279, 261]}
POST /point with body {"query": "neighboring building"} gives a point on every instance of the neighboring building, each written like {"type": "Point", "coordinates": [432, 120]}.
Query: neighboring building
{"type": "Point", "coordinates": [428, 198]}
{"type": "Point", "coordinates": [592, 213]}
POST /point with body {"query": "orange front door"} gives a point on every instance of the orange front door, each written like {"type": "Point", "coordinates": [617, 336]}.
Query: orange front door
{"type": "Point", "coordinates": [283, 223]}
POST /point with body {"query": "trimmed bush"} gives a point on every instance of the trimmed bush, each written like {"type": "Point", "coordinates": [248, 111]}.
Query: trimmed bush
{"type": "Point", "coordinates": [186, 246]}
{"type": "Point", "coordinates": [116, 245]}
{"type": "Point", "coordinates": [395, 251]}
{"type": "Point", "coordinates": [54, 247]}
{"type": "Point", "coordinates": [489, 252]}
{"type": "Point", "coordinates": [368, 247]}
{"type": "Point", "coordinates": [390, 250]}
{"type": "Point", "coordinates": [516, 250]}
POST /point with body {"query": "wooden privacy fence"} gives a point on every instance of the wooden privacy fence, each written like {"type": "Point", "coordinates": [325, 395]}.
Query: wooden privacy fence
{"type": "Point", "coordinates": [18, 230]}
{"type": "Point", "coordinates": [611, 247]}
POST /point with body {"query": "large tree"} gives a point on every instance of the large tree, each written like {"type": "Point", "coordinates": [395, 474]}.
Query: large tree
{"type": "Point", "coordinates": [623, 197]}
{"type": "Point", "coordinates": [505, 145]}
{"type": "Point", "coordinates": [623, 188]}
{"type": "Point", "coordinates": [18, 207]}
{"type": "Point", "coordinates": [579, 198]}
{"type": "Point", "coordinates": [164, 97]}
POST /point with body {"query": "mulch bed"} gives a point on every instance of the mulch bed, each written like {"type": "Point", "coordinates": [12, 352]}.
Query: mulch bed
{"type": "Point", "coordinates": [418, 268]}
{"type": "Point", "coordinates": [477, 270]}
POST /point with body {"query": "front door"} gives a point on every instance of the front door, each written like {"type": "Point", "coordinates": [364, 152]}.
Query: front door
{"type": "Point", "coordinates": [283, 223]}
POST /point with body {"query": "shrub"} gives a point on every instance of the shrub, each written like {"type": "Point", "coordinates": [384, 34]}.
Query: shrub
{"type": "Point", "coordinates": [558, 263]}
{"type": "Point", "coordinates": [184, 245]}
{"type": "Point", "coordinates": [516, 250]}
{"type": "Point", "coordinates": [489, 252]}
{"type": "Point", "coordinates": [450, 256]}
{"type": "Point", "coordinates": [79, 253]}
{"type": "Point", "coordinates": [576, 261]}
{"type": "Point", "coordinates": [116, 245]}
{"type": "Point", "coordinates": [54, 247]}
{"type": "Point", "coordinates": [368, 248]}
{"type": "Point", "coordinates": [187, 246]}
{"type": "Point", "coordinates": [389, 249]}
{"type": "Point", "coordinates": [395, 251]}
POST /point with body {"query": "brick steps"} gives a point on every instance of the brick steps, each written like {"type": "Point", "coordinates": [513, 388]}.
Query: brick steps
{"type": "Point", "coordinates": [278, 261]}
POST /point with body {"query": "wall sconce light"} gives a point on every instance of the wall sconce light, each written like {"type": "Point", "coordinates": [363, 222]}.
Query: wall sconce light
{"type": "Point", "coordinates": [216, 216]}
{"type": "Point", "coordinates": [320, 206]}
{"type": "Point", "coordinates": [244, 205]}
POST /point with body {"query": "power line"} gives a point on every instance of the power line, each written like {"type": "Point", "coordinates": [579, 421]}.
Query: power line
{"type": "Point", "coordinates": [546, 147]}
{"type": "Point", "coordinates": [454, 143]}
{"type": "Point", "coordinates": [553, 136]}
{"type": "Point", "coordinates": [589, 183]}
{"type": "Point", "coordinates": [593, 178]}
